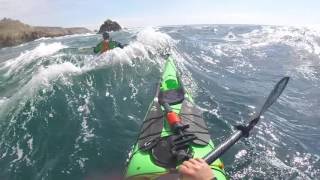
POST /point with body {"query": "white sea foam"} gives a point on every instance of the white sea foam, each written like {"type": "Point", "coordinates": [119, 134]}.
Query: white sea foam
{"type": "Point", "coordinates": [208, 59]}
{"type": "Point", "coordinates": [251, 106]}
{"type": "Point", "coordinates": [74, 35]}
{"type": "Point", "coordinates": [217, 50]}
{"type": "Point", "coordinates": [148, 42]}
{"type": "Point", "coordinates": [299, 37]}
{"type": "Point", "coordinates": [307, 71]}
{"type": "Point", "coordinates": [230, 37]}
{"type": "Point", "coordinates": [43, 38]}
{"type": "Point", "coordinates": [51, 72]}
{"type": "Point", "coordinates": [27, 57]}
{"type": "Point", "coordinates": [154, 40]}
{"type": "Point", "coordinates": [66, 36]}
{"type": "Point", "coordinates": [241, 154]}
{"type": "Point", "coordinates": [3, 100]}
{"type": "Point", "coordinates": [19, 153]}
{"type": "Point", "coordinates": [41, 80]}
{"type": "Point", "coordinates": [84, 110]}
{"type": "Point", "coordinates": [30, 144]}
{"type": "Point", "coordinates": [82, 162]}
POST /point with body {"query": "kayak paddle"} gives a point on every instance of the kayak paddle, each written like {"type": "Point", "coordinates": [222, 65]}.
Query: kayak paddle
{"type": "Point", "coordinates": [243, 130]}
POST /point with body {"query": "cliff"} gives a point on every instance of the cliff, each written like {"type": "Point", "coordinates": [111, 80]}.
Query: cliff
{"type": "Point", "coordinates": [14, 32]}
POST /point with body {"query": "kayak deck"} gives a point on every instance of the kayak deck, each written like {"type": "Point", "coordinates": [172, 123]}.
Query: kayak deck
{"type": "Point", "coordinates": [141, 162]}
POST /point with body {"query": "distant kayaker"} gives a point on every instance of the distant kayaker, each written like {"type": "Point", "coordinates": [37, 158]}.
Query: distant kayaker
{"type": "Point", "coordinates": [106, 44]}
{"type": "Point", "coordinates": [195, 169]}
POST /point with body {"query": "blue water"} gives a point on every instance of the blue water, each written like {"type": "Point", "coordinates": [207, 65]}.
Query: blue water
{"type": "Point", "coordinates": [66, 113]}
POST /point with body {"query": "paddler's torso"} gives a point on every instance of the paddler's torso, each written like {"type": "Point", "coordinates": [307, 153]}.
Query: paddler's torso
{"type": "Point", "coordinates": [105, 45]}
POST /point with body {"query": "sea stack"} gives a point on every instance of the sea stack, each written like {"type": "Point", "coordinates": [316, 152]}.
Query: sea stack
{"type": "Point", "coordinates": [108, 26]}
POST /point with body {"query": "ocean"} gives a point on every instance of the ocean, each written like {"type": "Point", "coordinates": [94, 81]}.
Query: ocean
{"type": "Point", "coordinates": [66, 113]}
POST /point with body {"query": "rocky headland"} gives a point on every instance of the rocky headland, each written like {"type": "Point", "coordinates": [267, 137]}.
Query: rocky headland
{"type": "Point", "coordinates": [14, 32]}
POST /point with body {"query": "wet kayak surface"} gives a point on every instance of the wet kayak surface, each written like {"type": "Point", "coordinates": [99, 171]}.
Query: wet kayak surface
{"type": "Point", "coordinates": [66, 113]}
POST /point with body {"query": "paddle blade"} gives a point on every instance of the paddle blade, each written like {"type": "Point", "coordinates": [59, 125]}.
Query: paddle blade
{"type": "Point", "coordinates": [275, 93]}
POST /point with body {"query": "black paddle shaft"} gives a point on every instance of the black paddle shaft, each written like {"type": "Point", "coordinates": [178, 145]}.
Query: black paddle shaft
{"type": "Point", "coordinates": [243, 131]}
{"type": "Point", "coordinates": [214, 155]}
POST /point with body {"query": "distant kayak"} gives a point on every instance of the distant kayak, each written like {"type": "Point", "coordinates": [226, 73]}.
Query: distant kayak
{"type": "Point", "coordinates": [163, 144]}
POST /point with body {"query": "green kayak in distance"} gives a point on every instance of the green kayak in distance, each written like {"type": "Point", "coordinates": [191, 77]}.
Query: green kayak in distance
{"type": "Point", "coordinates": [163, 145]}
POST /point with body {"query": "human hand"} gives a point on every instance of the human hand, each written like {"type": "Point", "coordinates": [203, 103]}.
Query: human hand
{"type": "Point", "coordinates": [195, 169]}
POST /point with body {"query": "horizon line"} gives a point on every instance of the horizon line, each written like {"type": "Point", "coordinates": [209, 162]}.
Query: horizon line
{"type": "Point", "coordinates": [90, 27]}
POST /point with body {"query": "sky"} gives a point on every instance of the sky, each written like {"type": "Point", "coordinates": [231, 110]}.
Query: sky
{"type": "Point", "coordinates": [137, 13]}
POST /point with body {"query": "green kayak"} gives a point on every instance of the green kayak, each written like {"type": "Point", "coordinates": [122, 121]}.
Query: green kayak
{"type": "Point", "coordinates": [173, 131]}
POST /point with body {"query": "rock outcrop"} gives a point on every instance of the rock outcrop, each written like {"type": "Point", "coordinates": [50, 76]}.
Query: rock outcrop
{"type": "Point", "coordinates": [108, 26]}
{"type": "Point", "coordinates": [14, 32]}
